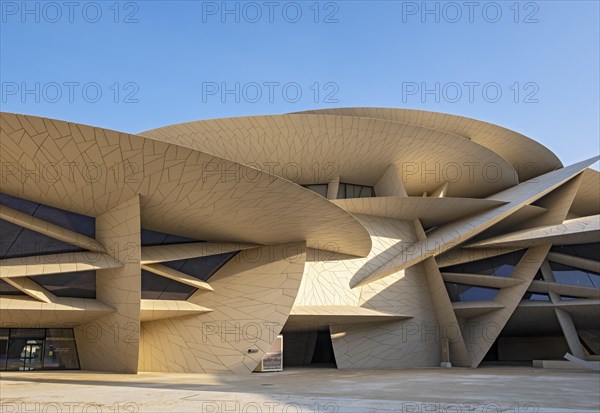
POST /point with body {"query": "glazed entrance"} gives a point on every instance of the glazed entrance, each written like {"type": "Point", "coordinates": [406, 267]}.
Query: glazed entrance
{"type": "Point", "coordinates": [28, 349]}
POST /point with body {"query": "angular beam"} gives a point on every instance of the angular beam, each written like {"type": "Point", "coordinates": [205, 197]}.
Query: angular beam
{"type": "Point", "coordinates": [481, 280]}
{"type": "Point", "coordinates": [448, 236]}
{"type": "Point", "coordinates": [573, 261]}
{"type": "Point", "coordinates": [66, 312]}
{"type": "Point", "coordinates": [475, 308]}
{"type": "Point", "coordinates": [151, 310]}
{"type": "Point", "coordinates": [585, 302]}
{"type": "Point", "coordinates": [178, 276]}
{"type": "Point", "coordinates": [545, 287]}
{"type": "Point", "coordinates": [573, 231]}
{"type": "Point", "coordinates": [590, 303]}
{"type": "Point", "coordinates": [461, 255]}
{"type": "Point", "coordinates": [32, 289]}
{"type": "Point", "coordinates": [517, 219]}
{"type": "Point", "coordinates": [50, 230]}
{"type": "Point", "coordinates": [174, 252]}
{"type": "Point", "coordinates": [56, 264]}
{"type": "Point", "coordinates": [430, 211]}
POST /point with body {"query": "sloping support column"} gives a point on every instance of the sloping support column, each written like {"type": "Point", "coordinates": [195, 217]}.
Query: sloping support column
{"type": "Point", "coordinates": [547, 273]}
{"type": "Point", "coordinates": [390, 183]}
{"type": "Point", "coordinates": [332, 188]}
{"type": "Point", "coordinates": [564, 318]}
{"type": "Point", "coordinates": [568, 328]}
{"type": "Point", "coordinates": [448, 323]}
{"type": "Point", "coordinates": [111, 343]}
{"type": "Point", "coordinates": [253, 295]}
{"type": "Point", "coordinates": [483, 330]}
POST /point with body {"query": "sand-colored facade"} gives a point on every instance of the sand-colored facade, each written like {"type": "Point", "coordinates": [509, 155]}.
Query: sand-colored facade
{"type": "Point", "coordinates": [189, 248]}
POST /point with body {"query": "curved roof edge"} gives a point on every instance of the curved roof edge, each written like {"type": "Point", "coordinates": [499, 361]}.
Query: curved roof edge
{"type": "Point", "coordinates": [174, 182]}
{"type": "Point", "coordinates": [379, 142]}
{"type": "Point", "coordinates": [529, 157]}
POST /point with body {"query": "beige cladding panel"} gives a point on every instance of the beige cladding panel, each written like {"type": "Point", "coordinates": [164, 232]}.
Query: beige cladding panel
{"type": "Point", "coordinates": [111, 343]}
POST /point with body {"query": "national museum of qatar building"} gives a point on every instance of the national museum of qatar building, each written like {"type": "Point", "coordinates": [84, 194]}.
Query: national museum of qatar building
{"type": "Point", "coordinates": [355, 238]}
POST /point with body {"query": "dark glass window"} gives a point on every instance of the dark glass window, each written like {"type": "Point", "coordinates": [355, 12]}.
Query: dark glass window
{"type": "Point", "coordinates": [155, 287]}
{"type": "Point", "coordinates": [81, 284]}
{"type": "Point", "coordinates": [7, 289]}
{"type": "Point", "coordinates": [587, 251]}
{"type": "Point", "coordinates": [500, 266]}
{"type": "Point", "coordinates": [201, 268]}
{"type": "Point", "coordinates": [73, 221]}
{"type": "Point", "coordinates": [536, 296]}
{"type": "Point", "coordinates": [465, 293]}
{"type": "Point", "coordinates": [355, 191]}
{"type": "Point", "coordinates": [16, 241]}
{"type": "Point", "coordinates": [563, 274]}
{"type": "Point", "coordinates": [24, 349]}
{"type": "Point", "coordinates": [150, 238]}
{"type": "Point", "coordinates": [320, 189]}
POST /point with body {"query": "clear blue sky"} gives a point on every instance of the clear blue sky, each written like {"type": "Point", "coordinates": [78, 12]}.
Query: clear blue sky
{"type": "Point", "coordinates": [166, 62]}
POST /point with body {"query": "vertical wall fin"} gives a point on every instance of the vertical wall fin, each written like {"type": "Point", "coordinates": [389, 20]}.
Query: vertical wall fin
{"type": "Point", "coordinates": [111, 343]}
{"type": "Point", "coordinates": [332, 188]}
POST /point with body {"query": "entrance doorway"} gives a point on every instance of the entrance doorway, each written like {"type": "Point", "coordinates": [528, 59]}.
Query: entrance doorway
{"type": "Point", "coordinates": [311, 348]}
{"type": "Point", "coordinates": [29, 349]}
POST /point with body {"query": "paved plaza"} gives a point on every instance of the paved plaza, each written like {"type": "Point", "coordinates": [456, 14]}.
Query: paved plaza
{"type": "Point", "coordinates": [497, 389]}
